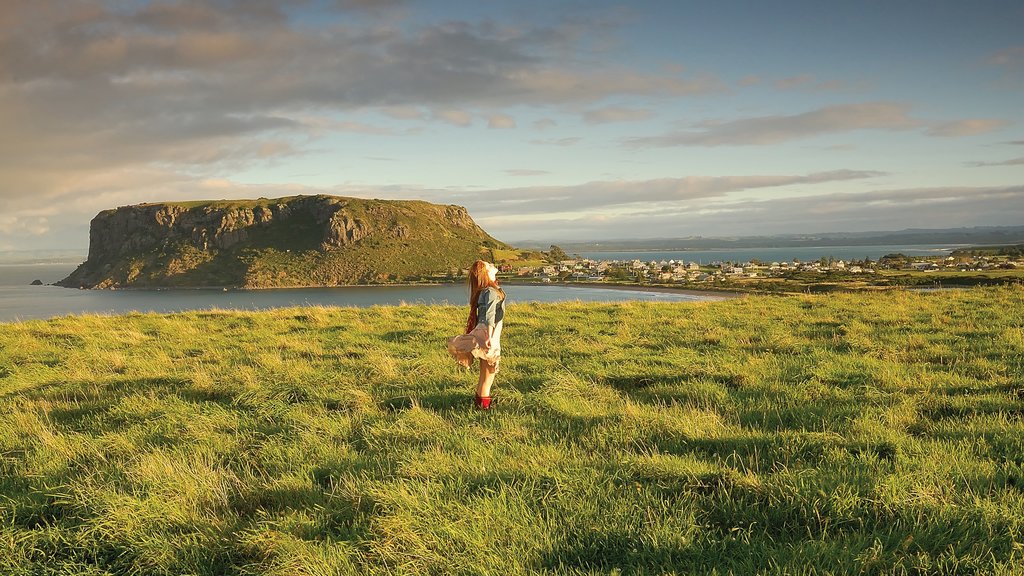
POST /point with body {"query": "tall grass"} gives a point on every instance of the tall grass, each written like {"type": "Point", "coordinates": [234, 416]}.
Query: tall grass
{"type": "Point", "coordinates": [853, 433]}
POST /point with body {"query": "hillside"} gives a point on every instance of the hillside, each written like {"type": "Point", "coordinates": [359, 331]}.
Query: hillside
{"type": "Point", "coordinates": [295, 241]}
{"type": "Point", "coordinates": [872, 433]}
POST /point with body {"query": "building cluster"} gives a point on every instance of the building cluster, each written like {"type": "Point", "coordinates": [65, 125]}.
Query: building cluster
{"type": "Point", "coordinates": [970, 264]}
{"type": "Point", "coordinates": [679, 271]}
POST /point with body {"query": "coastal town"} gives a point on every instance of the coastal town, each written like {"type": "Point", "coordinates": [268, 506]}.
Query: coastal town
{"type": "Point", "coordinates": [729, 273]}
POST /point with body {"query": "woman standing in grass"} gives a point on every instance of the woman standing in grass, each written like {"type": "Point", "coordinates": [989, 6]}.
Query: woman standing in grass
{"type": "Point", "coordinates": [483, 329]}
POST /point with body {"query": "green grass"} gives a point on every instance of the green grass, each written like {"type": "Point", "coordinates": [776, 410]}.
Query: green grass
{"type": "Point", "coordinates": [843, 434]}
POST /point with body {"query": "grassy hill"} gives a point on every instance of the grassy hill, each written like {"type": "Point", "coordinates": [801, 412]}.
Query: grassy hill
{"type": "Point", "coordinates": [846, 434]}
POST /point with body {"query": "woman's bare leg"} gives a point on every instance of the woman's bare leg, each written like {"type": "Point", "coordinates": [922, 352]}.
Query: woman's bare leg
{"type": "Point", "coordinates": [483, 387]}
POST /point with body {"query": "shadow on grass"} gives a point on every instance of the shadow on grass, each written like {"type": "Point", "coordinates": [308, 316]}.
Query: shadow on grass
{"type": "Point", "coordinates": [446, 401]}
{"type": "Point", "coordinates": [605, 552]}
{"type": "Point", "coordinates": [782, 414]}
{"type": "Point", "coordinates": [963, 408]}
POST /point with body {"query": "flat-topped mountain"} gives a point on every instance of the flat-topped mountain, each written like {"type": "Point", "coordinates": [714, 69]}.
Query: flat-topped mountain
{"type": "Point", "coordinates": [294, 241]}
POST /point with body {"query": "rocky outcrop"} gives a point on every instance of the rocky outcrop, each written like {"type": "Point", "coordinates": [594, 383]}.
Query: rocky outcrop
{"type": "Point", "coordinates": [231, 242]}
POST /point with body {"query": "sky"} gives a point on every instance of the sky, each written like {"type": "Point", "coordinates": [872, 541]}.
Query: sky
{"type": "Point", "coordinates": [549, 121]}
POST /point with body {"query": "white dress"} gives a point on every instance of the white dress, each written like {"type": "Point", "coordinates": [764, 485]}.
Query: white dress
{"type": "Point", "coordinates": [465, 347]}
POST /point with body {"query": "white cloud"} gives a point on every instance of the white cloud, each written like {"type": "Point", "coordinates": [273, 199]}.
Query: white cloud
{"type": "Point", "coordinates": [872, 210]}
{"type": "Point", "coordinates": [526, 172]}
{"type": "Point", "coordinates": [776, 129]}
{"type": "Point", "coordinates": [23, 225]}
{"type": "Point", "coordinates": [1012, 56]}
{"type": "Point", "coordinates": [616, 114]}
{"type": "Point", "coordinates": [960, 128]}
{"type": "Point", "coordinates": [601, 195]}
{"type": "Point", "coordinates": [808, 82]}
{"type": "Point", "coordinates": [568, 141]}
{"type": "Point", "coordinates": [403, 112]}
{"type": "Point", "coordinates": [1010, 162]}
{"type": "Point", "coordinates": [501, 121]}
{"type": "Point", "coordinates": [459, 118]}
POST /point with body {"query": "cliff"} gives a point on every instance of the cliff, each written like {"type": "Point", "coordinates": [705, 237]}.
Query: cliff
{"type": "Point", "coordinates": [295, 241]}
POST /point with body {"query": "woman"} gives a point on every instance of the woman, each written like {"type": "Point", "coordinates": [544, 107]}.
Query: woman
{"type": "Point", "coordinates": [483, 329]}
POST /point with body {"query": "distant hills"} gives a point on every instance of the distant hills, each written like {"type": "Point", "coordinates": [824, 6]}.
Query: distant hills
{"type": "Point", "coordinates": [979, 235]}
{"type": "Point", "coordinates": [282, 242]}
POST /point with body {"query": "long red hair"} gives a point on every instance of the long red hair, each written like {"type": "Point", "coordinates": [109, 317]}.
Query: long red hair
{"type": "Point", "coordinates": [479, 280]}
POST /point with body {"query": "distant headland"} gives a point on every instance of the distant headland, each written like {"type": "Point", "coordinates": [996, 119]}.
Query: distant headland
{"type": "Point", "coordinates": [282, 242]}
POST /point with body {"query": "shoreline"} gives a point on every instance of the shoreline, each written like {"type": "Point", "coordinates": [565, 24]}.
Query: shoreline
{"type": "Point", "coordinates": [634, 288]}
{"type": "Point", "coordinates": [725, 294]}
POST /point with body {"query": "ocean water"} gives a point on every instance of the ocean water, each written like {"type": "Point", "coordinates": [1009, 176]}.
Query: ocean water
{"type": "Point", "coordinates": [20, 301]}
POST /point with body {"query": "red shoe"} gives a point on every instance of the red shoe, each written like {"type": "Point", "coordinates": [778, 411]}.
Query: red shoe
{"type": "Point", "coordinates": [482, 402]}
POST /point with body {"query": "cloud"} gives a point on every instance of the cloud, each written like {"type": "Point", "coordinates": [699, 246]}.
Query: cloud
{"type": "Point", "coordinates": [832, 212]}
{"type": "Point", "coordinates": [1010, 162]}
{"type": "Point", "coordinates": [776, 129]}
{"type": "Point", "coordinates": [500, 121]}
{"type": "Point", "coordinates": [370, 5]}
{"type": "Point", "coordinates": [601, 195]}
{"type": "Point", "coordinates": [807, 82]}
{"type": "Point", "coordinates": [91, 87]}
{"type": "Point", "coordinates": [526, 172]}
{"type": "Point", "coordinates": [615, 114]}
{"type": "Point", "coordinates": [23, 225]}
{"type": "Point", "coordinates": [1012, 56]}
{"type": "Point", "coordinates": [544, 123]}
{"type": "Point", "coordinates": [459, 118]}
{"type": "Point", "coordinates": [569, 141]}
{"type": "Point", "coordinates": [960, 128]}
{"type": "Point", "coordinates": [403, 112]}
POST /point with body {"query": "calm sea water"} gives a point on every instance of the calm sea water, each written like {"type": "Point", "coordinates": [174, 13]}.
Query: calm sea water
{"type": "Point", "coordinates": [803, 254]}
{"type": "Point", "coordinates": [20, 301]}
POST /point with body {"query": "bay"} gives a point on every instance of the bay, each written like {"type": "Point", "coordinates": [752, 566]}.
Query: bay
{"type": "Point", "coordinates": [19, 301]}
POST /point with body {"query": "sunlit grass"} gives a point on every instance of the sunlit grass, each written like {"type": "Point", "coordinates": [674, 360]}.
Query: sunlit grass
{"type": "Point", "coordinates": [852, 433]}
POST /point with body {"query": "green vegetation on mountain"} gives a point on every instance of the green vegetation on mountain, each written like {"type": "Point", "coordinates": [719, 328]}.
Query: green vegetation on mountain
{"type": "Point", "coordinates": [296, 241]}
{"type": "Point", "coordinates": [869, 433]}
{"type": "Point", "coordinates": [1015, 251]}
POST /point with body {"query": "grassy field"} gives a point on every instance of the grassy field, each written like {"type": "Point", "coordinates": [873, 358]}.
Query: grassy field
{"type": "Point", "coordinates": [882, 279]}
{"type": "Point", "coordinates": [848, 434]}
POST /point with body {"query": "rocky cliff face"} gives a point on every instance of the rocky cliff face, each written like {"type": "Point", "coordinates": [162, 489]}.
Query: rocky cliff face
{"type": "Point", "coordinates": [302, 240]}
